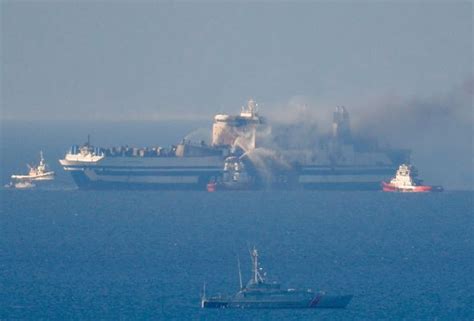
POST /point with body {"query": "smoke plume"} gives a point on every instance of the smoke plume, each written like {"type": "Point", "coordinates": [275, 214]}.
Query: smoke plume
{"type": "Point", "coordinates": [437, 129]}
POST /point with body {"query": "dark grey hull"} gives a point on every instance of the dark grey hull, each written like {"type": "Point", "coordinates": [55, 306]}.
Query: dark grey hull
{"type": "Point", "coordinates": [83, 182]}
{"type": "Point", "coordinates": [321, 302]}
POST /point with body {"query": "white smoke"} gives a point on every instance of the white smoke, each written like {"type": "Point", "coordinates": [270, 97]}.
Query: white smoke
{"type": "Point", "coordinates": [264, 160]}
{"type": "Point", "coordinates": [438, 129]}
{"type": "Point", "coordinates": [199, 135]}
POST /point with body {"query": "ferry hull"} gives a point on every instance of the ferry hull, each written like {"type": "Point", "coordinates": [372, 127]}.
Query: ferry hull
{"type": "Point", "coordinates": [195, 182]}
{"type": "Point", "coordinates": [200, 182]}
{"type": "Point", "coordinates": [153, 177]}
{"type": "Point", "coordinates": [133, 173]}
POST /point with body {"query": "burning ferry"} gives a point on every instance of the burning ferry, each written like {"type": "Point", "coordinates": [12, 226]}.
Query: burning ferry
{"type": "Point", "coordinates": [237, 158]}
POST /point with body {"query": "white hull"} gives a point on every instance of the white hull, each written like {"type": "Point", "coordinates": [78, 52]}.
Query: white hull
{"type": "Point", "coordinates": [41, 177]}
{"type": "Point", "coordinates": [21, 185]}
{"type": "Point", "coordinates": [196, 172]}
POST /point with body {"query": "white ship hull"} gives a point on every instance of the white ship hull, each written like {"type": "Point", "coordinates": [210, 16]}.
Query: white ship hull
{"type": "Point", "coordinates": [40, 177]}
{"type": "Point", "coordinates": [196, 172]}
{"type": "Point", "coordinates": [145, 173]}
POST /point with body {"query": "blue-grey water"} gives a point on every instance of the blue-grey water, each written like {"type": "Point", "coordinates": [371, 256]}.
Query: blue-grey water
{"type": "Point", "coordinates": [68, 254]}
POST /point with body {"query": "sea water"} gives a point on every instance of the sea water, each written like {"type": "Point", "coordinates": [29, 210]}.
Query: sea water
{"type": "Point", "coordinates": [70, 254]}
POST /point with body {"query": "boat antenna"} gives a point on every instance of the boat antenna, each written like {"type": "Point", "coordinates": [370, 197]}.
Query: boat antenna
{"type": "Point", "coordinates": [257, 278]}
{"type": "Point", "coordinates": [240, 273]}
{"type": "Point", "coordinates": [255, 265]}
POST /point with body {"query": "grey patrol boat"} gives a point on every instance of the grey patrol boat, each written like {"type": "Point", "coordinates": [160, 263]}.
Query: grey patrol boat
{"type": "Point", "coordinates": [259, 294]}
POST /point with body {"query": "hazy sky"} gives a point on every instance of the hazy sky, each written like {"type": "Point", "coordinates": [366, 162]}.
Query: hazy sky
{"type": "Point", "coordinates": [161, 60]}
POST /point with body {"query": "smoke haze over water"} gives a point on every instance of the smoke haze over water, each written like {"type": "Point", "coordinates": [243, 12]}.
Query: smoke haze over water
{"type": "Point", "coordinates": [183, 62]}
{"type": "Point", "coordinates": [437, 129]}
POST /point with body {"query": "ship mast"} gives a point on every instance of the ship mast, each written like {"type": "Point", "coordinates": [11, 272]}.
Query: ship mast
{"type": "Point", "coordinates": [42, 164]}
{"type": "Point", "coordinates": [257, 278]}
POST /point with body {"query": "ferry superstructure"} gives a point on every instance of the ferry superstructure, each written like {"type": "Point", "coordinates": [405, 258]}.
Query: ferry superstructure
{"type": "Point", "coordinates": [334, 163]}
{"type": "Point", "coordinates": [184, 166]}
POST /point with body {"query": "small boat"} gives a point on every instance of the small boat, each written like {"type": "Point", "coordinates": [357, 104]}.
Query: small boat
{"type": "Point", "coordinates": [36, 173]}
{"type": "Point", "coordinates": [211, 186]}
{"type": "Point", "coordinates": [405, 181]}
{"type": "Point", "coordinates": [21, 185]}
{"type": "Point", "coordinates": [260, 294]}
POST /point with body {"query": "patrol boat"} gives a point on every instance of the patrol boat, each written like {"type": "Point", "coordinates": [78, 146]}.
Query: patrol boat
{"type": "Point", "coordinates": [260, 294]}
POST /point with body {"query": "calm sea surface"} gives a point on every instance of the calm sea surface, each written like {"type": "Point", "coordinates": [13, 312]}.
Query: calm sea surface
{"type": "Point", "coordinates": [145, 255]}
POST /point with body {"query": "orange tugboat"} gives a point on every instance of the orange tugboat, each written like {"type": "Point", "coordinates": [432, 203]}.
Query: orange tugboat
{"type": "Point", "coordinates": [405, 181]}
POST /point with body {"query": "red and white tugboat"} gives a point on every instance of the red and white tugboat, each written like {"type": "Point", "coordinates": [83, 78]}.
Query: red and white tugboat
{"type": "Point", "coordinates": [405, 181]}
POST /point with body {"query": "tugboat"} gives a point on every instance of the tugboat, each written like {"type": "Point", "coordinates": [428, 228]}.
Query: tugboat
{"type": "Point", "coordinates": [234, 176]}
{"type": "Point", "coordinates": [259, 294]}
{"type": "Point", "coordinates": [405, 181]}
{"type": "Point", "coordinates": [36, 173]}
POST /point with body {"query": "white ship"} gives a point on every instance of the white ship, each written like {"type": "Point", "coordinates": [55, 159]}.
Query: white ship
{"type": "Point", "coordinates": [333, 162]}
{"type": "Point", "coordinates": [36, 173]}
